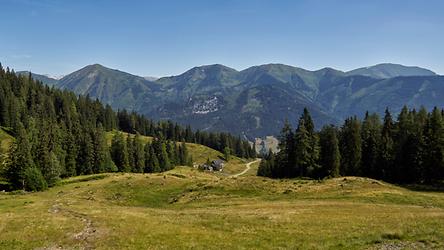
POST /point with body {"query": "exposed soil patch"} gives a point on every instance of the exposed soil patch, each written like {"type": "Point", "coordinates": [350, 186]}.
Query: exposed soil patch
{"type": "Point", "coordinates": [87, 235]}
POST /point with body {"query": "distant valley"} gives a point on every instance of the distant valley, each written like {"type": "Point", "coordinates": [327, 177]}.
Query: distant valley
{"type": "Point", "coordinates": [255, 102]}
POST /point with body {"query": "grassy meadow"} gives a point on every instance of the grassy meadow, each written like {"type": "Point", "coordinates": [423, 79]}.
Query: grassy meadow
{"type": "Point", "coordinates": [189, 209]}
{"type": "Point", "coordinates": [186, 208]}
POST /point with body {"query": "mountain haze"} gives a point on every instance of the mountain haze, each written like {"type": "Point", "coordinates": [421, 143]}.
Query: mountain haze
{"type": "Point", "coordinates": [43, 78]}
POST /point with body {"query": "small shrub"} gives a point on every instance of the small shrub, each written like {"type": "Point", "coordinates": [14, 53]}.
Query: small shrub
{"type": "Point", "coordinates": [17, 192]}
{"type": "Point", "coordinates": [34, 180]}
{"type": "Point", "coordinates": [392, 236]}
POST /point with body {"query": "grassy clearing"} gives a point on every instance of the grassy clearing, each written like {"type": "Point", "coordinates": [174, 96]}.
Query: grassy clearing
{"type": "Point", "coordinates": [109, 137]}
{"type": "Point", "coordinates": [199, 153]}
{"type": "Point", "coordinates": [187, 208]}
{"type": "Point", "coordinates": [5, 140]}
{"type": "Point", "coordinates": [5, 143]}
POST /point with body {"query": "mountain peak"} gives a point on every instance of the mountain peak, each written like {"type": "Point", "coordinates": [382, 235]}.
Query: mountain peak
{"type": "Point", "coordinates": [270, 66]}
{"type": "Point", "coordinates": [112, 86]}
{"type": "Point", "coordinates": [214, 68]}
{"type": "Point", "coordinates": [204, 71]}
{"type": "Point", "coordinates": [389, 70]}
{"type": "Point", "coordinates": [329, 70]}
{"type": "Point", "coordinates": [95, 66]}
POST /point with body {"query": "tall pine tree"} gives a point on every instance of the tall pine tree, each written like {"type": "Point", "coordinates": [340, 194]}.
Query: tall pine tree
{"type": "Point", "coordinates": [330, 157]}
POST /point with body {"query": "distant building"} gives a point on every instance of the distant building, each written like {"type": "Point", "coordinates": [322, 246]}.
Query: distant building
{"type": "Point", "coordinates": [216, 165]}
{"type": "Point", "coordinates": [206, 167]}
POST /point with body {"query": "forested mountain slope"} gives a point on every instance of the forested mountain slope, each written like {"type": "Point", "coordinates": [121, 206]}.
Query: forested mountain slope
{"type": "Point", "coordinates": [58, 134]}
{"type": "Point", "coordinates": [254, 102]}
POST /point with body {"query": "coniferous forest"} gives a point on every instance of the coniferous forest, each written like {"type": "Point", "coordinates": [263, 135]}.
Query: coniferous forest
{"type": "Point", "coordinates": [58, 134]}
{"type": "Point", "coordinates": [409, 149]}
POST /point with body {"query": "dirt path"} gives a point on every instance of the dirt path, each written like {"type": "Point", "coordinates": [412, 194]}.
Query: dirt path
{"type": "Point", "coordinates": [87, 235]}
{"type": "Point", "coordinates": [247, 168]}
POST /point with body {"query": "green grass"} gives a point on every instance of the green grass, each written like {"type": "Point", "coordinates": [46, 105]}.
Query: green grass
{"type": "Point", "coordinates": [5, 143]}
{"type": "Point", "coordinates": [83, 178]}
{"type": "Point", "coordinates": [188, 208]}
{"type": "Point", "coordinates": [5, 140]}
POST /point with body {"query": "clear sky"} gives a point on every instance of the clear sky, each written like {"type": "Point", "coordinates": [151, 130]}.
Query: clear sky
{"type": "Point", "coordinates": [159, 38]}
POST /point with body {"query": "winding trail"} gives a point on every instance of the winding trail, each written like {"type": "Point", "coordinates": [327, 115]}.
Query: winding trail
{"type": "Point", "coordinates": [247, 168]}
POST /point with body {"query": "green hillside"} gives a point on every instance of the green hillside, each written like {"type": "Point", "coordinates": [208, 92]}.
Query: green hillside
{"type": "Point", "coordinates": [113, 87]}
{"type": "Point", "coordinates": [200, 154]}
{"type": "Point", "coordinates": [254, 101]}
{"type": "Point", "coordinates": [187, 208]}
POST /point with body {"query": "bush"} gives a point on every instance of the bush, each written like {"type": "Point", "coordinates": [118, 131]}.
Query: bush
{"type": "Point", "coordinates": [34, 180]}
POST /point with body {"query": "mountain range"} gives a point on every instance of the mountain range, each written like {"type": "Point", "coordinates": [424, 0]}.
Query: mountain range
{"type": "Point", "coordinates": [256, 101]}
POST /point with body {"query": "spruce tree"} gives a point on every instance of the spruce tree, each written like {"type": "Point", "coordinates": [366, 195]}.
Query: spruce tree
{"type": "Point", "coordinates": [130, 152]}
{"type": "Point", "coordinates": [263, 169]}
{"type": "Point", "coordinates": [303, 164]}
{"type": "Point", "coordinates": [139, 155]}
{"type": "Point", "coordinates": [308, 121]}
{"type": "Point", "coordinates": [185, 158]}
{"type": "Point", "coordinates": [155, 165]}
{"type": "Point", "coordinates": [49, 151]}
{"type": "Point", "coordinates": [119, 153]}
{"type": "Point", "coordinates": [148, 158]}
{"type": "Point", "coordinates": [287, 153]}
{"type": "Point", "coordinates": [370, 134]}
{"type": "Point", "coordinates": [21, 163]}
{"type": "Point", "coordinates": [314, 143]}
{"type": "Point", "coordinates": [164, 160]}
{"type": "Point", "coordinates": [71, 155]}
{"type": "Point", "coordinates": [330, 158]}
{"type": "Point", "coordinates": [385, 162]}
{"type": "Point", "coordinates": [227, 154]}
{"type": "Point", "coordinates": [350, 146]}
{"type": "Point", "coordinates": [102, 157]}
{"type": "Point", "coordinates": [86, 153]}
{"type": "Point", "coordinates": [434, 166]}
{"type": "Point", "coordinates": [178, 153]}
{"type": "Point", "coordinates": [171, 151]}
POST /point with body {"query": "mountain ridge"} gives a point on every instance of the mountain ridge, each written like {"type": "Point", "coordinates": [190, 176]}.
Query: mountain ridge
{"type": "Point", "coordinates": [50, 81]}
{"type": "Point", "coordinates": [255, 101]}
{"type": "Point", "coordinates": [390, 70]}
{"type": "Point", "coordinates": [114, 87]}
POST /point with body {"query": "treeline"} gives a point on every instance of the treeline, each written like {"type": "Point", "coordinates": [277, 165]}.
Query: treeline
{"type": "Point", "coordinates": [132, 155]}
{"type": "Point", "coordinates": [59, 134]}
{"type": "Point", "coordinates": [408, 150]}
{"type": "Point", "coordinates": [22, 97]}
{"type": "Point", "coordinates": [136, 123]}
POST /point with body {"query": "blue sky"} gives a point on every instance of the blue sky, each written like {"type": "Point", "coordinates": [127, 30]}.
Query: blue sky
{"type": "Point", "coordinates": [159, 38]}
